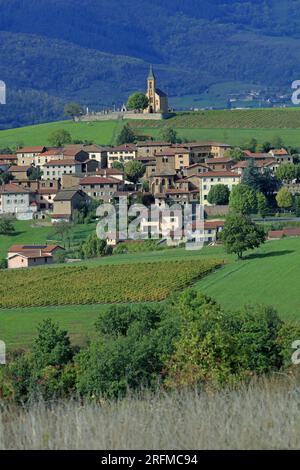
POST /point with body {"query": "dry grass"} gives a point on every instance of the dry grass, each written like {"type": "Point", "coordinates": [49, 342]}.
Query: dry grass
{"type": "Point", "coordinates": [259, 416]}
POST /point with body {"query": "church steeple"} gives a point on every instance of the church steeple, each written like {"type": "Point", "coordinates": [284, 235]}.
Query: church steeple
{"type": "Point", "coordinates": [151, 91]}
{"type": "Point", "coordinates": [151, 75]}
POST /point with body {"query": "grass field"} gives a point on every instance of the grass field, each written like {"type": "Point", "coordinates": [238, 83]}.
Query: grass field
{"type": "Point", "coordinates": [230, 126]}
{"type": "Point", "coordinates": [269, 276]}
{"type": "Point", "coordinates": [29, 232]}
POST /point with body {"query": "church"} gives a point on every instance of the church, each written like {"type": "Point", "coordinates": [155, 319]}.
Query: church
{"type": "Point", "coordinates": [158, 100]}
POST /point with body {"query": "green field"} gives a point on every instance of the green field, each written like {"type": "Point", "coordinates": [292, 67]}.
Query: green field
{"type": "Point", "coordinates": [269, 276]}
{"type": "Point", "coordinates": [230, 126]}
{"type": "Point", "coordinates": [30, 232]}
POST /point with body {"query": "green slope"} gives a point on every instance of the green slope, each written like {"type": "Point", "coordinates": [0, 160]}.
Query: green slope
{"type": "Point", "coordinates": [233, 127]}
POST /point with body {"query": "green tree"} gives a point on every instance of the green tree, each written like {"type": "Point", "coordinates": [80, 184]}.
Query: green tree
{"type": "Point", "coordinates": [242, 199]}
{"type": "Point", "coordinates": [277, 142]}
{"type": "Point", "coordinates": [93, 247]}
{"type": "Point", "coordinates": [5, 178]}
{"type": "Point", "coordinates": [138, 102]}
{"type": "Point", "coordinates": [35, 174]}
{"type": "Point", "coordinates": [134, 170]}
{"type": "Point", "coordinates": [59, 138]}
{"type": "Point", "coordinates": [218, 347]}
{"type": "Point", "coordinates": [250, 145]}
{"type": "Point", "coordinates": [126, 135]}
{"type": "Point", "coordinates": [262, 204]}
{"type": "Point", "coordinates": [251, 176]}
{"type": "Point", "coordinates": [63, 229]}
{"type": "Point", "coordinates": [265, 147]}
{"type": "Point", "coordinates": [284, 199]}
{"type": "Point", "coordinates": [218, 194]}
{"type": "Point", "coordinates": [296, 206]}
{"type": "Point", "coordinates": [73, 110]}
{"type": "Point", "coordinates": [52, 347]}
{"type": "Point", "coordinates": [6, 226]}
{"type": "Point", "coordinates": [236, 154]}
{"type": "Point", "coordinates": [241, 234]}
{"type": "Point", "coordinates": [287, 172]}
{"type": "Point", "coordinates": [118, 166]}
{"type": "Point", "coordinates": [168, 134]}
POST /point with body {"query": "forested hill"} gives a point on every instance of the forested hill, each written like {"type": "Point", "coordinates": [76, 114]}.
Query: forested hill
{"type": "Point", "coordinates": [96, 52]}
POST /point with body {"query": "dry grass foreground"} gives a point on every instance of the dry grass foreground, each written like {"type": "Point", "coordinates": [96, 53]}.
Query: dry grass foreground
{"type": "Point", "coordinates": [264, 415]}
{"type": "Point", "coordinates": [101, 284]}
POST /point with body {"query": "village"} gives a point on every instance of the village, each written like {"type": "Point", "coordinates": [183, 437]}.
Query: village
{"type": "Point", "coordinates": [57, 183]}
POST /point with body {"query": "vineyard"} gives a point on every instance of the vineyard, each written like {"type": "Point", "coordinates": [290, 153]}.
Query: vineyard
{"type": "Point", "coordinates": [286, 118]}
{"type": "Point", "coordinates": [40, 287]}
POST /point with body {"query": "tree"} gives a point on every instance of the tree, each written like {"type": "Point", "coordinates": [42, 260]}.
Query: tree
{"type": "Point", "coordinates": [5, 178]}
{"type": "Point", "coordinates": [6, 226]}
{"type": "Point", "coordinates": [287, 172]}
{"type": "Point", "coordinates": [277, 142]}
{"type": "Point", "coordinates": [118, 166]}
{"type": "Point", "coordinates": [250, 145]}
{"type": "Point", "coordinates": [241, 234]}
{"type": "Point", "coordinates": [296, 206]}
{"type": "Point", "coordinates": [235, 154]}
{"type": "Point", "coordinates": [35, 174]}
{"type": "Point", "coordinates": [138, 102]}
{"type": "Point", "coordinates": [242, 199]}
{"type": "Point", "coordinates": [251, 176]}
{"type": "Point", "coordinates": [52, 347]}
{"type": "Point", "coordinates": [93, 247]}
{"type": "Point", "coordinates": [73, 110]}
{"type": "Point", "coordinates": [134, 170]}
{"type": "Point", "coordinates": [218, 195]}
{"type": "Point", "coordinates": [126, 135]}
{"type": "Point", "coordinates": [284, 199]}
{"type": "Point", "coordinates": [63, 230]}
{"type": "Point", "coordinates": [262, 204]}
{"type": "Point", "coordinates": [168, 134]}
{"type": "Point", "coordinates": [59, 138]}
{"type": "Point", "coordinates": [265, 147]}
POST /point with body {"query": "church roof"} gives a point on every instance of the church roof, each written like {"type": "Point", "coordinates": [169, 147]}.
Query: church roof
{"type": "Point", "coordinates": [159, 92]}
{"type": "Point", "coordinates": [151, 75]}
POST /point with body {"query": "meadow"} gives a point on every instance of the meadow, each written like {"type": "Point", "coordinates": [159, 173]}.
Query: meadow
{"type": "Point", "coordinates": [230, 126]}
{"type": "Point", "coordinates": [30, 232]}
{"type": "Point", "coordinates": [229, 419]}
{"type": "Point", "coordinates": [269, 275]}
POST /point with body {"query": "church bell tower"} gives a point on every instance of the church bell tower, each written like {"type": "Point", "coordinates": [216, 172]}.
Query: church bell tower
{"type": "Point", "coordinates": [151, 91]}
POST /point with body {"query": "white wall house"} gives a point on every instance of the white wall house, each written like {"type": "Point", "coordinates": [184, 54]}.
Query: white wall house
{"type": "Point", "coordinates": [55, 169]}
{"type": "Point", "coordinates": [14, 199]}
{"type": "Point", "coordinates": [123, 154]}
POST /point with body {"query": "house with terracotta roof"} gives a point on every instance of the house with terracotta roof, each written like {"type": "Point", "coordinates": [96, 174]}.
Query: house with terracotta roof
{"type": "Point", "coordinates": [173, 158]}
{"type": "Point", "coordinates": [148, 149]}
{"type": "Point", "coordinates": [55, 169]}
{"type": "Point", "coordinates": [195, 168]}
{"type": "Point", "coordinates": [281, 155]}
{"type": "Point", "coordinates": [15, 199]}
{"type": "Point", "coordinates": [8, 159]}
{"type": "Point", "coordinates": [26, 155]}
{"type": "Point", "coordinates": [20, 172]}
{"type": "Point", "coordinates": [99, 187]}
{"type": "Point", "coordinates": [219, 164]}
{"type": "Point", "coordinates": [261, 165]}
{"type": "Point", "coordinates": [208, 149]}
{"type": "Point", "coordinates": [122, 154]}
{"type": "Point", "coordinates": [25, 256]}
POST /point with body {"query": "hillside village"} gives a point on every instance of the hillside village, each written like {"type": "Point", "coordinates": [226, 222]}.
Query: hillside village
{"type": "Point", "coordinates": [73, 177]}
